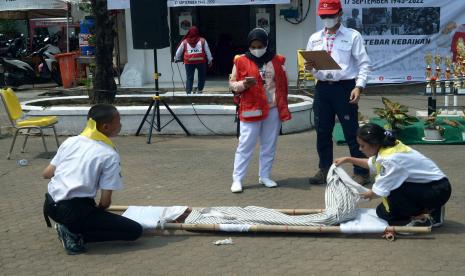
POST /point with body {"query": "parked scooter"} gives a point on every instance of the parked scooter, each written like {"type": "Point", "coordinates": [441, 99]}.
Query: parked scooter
{"type": "Point", "coordinates": [43, 67]}
{"type": "Point", "coordinates": [13, 48]}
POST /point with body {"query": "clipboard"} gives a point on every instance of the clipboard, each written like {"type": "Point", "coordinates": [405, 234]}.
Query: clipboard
{"type": "Point", "coordinates": [321, 59]}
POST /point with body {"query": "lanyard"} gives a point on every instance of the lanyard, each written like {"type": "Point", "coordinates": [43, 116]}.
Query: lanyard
{"type": "Point", "coordinates": [329, 41]}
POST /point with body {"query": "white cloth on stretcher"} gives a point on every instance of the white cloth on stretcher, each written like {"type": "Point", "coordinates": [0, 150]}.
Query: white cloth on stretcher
{"type": "Point", "coordinates": [151, 216]}
{"type": "Point", "coordinates": [342, 197]}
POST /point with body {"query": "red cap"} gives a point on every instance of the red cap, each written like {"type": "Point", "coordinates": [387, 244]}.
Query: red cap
{"type": "Point", "coordinates": [329, 7]}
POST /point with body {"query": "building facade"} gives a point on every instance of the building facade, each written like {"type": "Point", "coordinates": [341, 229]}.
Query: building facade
{"type": "Point", "coordinates": [225, 28]}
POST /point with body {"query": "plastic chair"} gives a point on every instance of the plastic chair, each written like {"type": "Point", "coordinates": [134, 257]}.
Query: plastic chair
{"type": "Point", "coordinates": [303, 75]}
{"type": "Point", "coordinates": [15, 114]}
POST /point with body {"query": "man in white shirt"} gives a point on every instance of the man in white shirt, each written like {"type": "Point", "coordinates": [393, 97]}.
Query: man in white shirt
{"type": "Point", "coordinates": [337, 92]}
{"type": "Point", "coordinates": [83, 165]}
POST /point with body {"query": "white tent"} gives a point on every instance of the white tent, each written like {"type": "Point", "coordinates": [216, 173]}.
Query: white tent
{"type": "Point", "coordinates": [124, 4]}
{"type": "Point", "coordinates": [26, 9]}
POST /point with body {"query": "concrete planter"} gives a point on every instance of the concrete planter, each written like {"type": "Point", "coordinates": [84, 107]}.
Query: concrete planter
{"type": "Point", "coordinates": [198, 119]}
{"type": "Point", "coordinates": [432, 135]}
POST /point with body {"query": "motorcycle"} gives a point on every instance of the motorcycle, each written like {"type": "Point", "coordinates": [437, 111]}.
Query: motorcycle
{"type": "Point", "coordinates": [13, 48]}
{"type": "Point", "coordinates": [41, 68]}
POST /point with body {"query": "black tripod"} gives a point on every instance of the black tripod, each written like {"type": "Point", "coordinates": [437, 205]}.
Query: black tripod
{"type": "Point", "coordinates": [155, 103]}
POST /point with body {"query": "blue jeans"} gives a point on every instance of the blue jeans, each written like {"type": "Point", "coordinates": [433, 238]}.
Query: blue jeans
{"type": "Point", "coordinates": [201, 75]}
{"type": "Point", "coordinates": [332, 99]}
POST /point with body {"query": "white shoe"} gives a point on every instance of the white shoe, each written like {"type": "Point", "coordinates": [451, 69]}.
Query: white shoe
{"type": "Point", "coordinates": [267, 182]}
{"type": "Point", "coordinates": [236, 187]}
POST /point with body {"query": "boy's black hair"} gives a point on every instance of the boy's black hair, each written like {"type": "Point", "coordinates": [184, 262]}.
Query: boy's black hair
{"type": "Point", "coordinates": [102, 113]}
{"type": "Point", "coordinates": [373, 134]}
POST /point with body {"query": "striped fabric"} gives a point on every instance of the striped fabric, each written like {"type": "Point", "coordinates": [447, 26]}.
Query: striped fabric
{"type": "Point", "coordinates": [341, 198]}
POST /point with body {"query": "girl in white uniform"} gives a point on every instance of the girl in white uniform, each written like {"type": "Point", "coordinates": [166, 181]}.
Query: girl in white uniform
{"type": "Point", "coordinates": [412, 185]}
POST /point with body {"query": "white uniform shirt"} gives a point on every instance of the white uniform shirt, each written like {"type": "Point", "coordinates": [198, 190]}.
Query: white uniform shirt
{"type": "Point", "coordinates": [348, 51]}
{"type": "Point", "coordinates": [403, 167]}
{"type": "Point", "coordinates": [83, 166]}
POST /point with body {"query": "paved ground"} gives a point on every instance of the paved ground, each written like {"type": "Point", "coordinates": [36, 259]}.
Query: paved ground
{"type": "Point", "coordinates": [197, 172]}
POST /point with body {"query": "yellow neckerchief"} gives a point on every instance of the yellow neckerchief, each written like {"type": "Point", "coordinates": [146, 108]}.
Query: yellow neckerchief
{"type": "Point", "coordinates": [385, 152]}
{"type": "Point", "coordinates": [91, 132]}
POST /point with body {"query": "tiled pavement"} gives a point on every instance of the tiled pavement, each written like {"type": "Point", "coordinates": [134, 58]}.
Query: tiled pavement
{"type": "Point", "coordinates": [196, 171]}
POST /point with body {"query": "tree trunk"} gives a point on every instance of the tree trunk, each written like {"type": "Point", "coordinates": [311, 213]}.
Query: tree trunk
{"type": "Point", "coordinates": [104, 90]}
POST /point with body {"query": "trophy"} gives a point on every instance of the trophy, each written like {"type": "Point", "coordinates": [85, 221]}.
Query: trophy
{"type": "Point", "coordinates": [461, 65]}
{"type": "Point", "coordinates": [456, 76]}
{"type": "Point", "coordinates": [447, 75]}
{"type": "Point", "coordinates": [438, 60]}
{"type": "Point", "coordinates": [428, 60]}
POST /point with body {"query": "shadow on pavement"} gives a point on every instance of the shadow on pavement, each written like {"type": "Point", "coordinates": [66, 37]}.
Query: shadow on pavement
{"type": "Point", "coordinates": [296, 183]}
{"type": "Point", "coordinates": [450, 227]}
{"type": "Point", "coordinates": [144, 243]}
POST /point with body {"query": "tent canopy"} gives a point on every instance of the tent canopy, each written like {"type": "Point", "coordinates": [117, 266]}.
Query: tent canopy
{"type": "Point", "coordinates": [124, 4]}
{"type": "Point", "coordinates": [25, 9]}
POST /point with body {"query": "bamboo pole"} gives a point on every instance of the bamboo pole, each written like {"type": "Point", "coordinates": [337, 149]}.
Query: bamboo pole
{"type": "Point", "coordinates": [287, 228]}
{"type": "Point", "coordinates": [292, 212]}
{"type": "Point", "coordinates": [276, 228]}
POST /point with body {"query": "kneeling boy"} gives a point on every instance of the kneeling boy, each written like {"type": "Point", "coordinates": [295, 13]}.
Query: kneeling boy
{"type": "Point", "coordinates": [84, 164]}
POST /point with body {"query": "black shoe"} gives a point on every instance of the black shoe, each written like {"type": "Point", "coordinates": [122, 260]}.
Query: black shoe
{"type": "Point", "coordinates": [72, 243]}
{"type": "Point", "coordinates": [424, 222]}
{"type": "Point", "coordinates": [362, 179]}
{"type": "Point", "coordinates": [437, 216]}
{"type": "Point", "coordinates": [319, 178]}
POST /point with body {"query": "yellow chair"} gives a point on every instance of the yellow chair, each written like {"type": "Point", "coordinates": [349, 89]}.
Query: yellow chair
{"type": "Point", "coordinates": [303, 75]}
{"type": "Point", "coordinates": [15, 114]}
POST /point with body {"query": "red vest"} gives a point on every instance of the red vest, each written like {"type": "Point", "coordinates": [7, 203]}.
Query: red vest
{"type": "Point", "coordinates": [195, 55]}
{"type": "Point", "coordinates": [254, 105]}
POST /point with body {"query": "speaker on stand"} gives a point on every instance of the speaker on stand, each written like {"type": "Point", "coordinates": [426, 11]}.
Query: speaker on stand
{"type": "Point", "coordinates": [150, 30]}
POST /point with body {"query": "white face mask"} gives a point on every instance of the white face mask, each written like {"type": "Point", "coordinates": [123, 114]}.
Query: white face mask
{"type": "Point", "coordinates": [330, 22]}
{"type": "Point", "coordinates": [258, 52]}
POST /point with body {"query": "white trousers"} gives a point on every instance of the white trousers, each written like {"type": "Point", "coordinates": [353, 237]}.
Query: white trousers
{"type": "Point", "coordinates": [268, 131]}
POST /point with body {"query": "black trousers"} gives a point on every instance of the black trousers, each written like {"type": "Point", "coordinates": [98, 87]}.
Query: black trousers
{"type": "Point", "coordinates": [332, 99]}
{"type": "Point", "coordinates": [81, 216]}
{"type": "Point", "coordinates": [413, 199]}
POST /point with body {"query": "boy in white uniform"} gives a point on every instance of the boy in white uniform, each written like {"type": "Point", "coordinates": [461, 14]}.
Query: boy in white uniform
{"type": "Point", "coordinates": [84, 164]}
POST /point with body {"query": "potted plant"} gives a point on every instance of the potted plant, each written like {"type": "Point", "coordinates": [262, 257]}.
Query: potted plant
{"type": "Point", "coordinates": [395, 114]}
{"type": "Point", "coordinates": [456, 124]}
{"type": "Point", "coordinates": [433, 130]}
{"type": "Point", "coordinates": [362, 119]}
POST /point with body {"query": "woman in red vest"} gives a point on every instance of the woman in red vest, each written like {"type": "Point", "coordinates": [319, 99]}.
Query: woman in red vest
{"type": "Point", "coordinates": [259, 81]}
{"type": "Point", "coordinates": [196, 54]}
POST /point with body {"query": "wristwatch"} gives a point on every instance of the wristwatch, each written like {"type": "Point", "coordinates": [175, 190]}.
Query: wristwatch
{"type": "Point", "coordinates": [360, 87]}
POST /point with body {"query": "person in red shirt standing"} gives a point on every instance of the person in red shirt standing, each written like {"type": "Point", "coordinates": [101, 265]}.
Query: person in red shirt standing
{"type": "Point", "coordinates": [260, 85]}
{"type": "Point", "coordinates": [195, 53]}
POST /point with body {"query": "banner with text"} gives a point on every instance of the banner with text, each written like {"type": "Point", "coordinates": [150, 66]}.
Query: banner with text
{"type": "Point", "coordinates": [183, 3]}
{"type": "Point", "coordinates": [399, 33]}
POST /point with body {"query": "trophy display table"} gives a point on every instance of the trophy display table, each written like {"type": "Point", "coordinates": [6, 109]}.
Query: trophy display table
{"type": "Point", "coordinates": [414, 134]}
